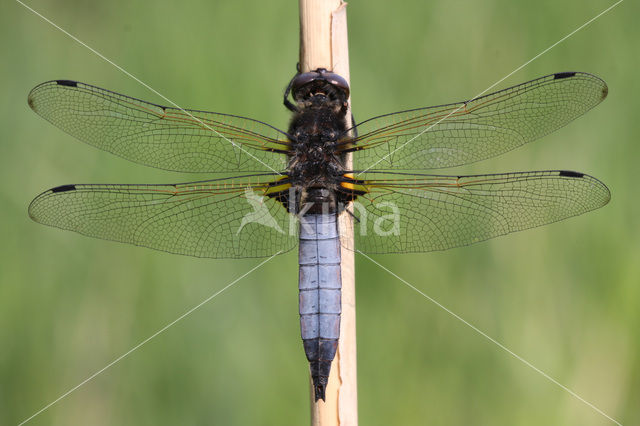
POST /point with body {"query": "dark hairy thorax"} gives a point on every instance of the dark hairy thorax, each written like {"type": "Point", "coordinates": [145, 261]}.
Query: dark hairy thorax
{"type": "Point", "coordinates": [315, 167]}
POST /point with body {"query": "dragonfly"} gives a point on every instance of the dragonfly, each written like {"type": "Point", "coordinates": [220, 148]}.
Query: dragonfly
{"type": "Point", "coordinates": [289, 187]}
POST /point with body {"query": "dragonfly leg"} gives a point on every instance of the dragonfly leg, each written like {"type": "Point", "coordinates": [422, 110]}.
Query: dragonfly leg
{"type": "Point", "coordinates": [287, 103]}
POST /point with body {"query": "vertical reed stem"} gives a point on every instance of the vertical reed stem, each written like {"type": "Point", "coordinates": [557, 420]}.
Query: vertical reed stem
{"type": "Point", "coordinates": [323, 44]}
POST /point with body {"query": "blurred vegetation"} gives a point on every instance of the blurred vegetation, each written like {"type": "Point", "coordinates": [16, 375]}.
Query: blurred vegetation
{"type": "Point", "coordinates": [565, 297]}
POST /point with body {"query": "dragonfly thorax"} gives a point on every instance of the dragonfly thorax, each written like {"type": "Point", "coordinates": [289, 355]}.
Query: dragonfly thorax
{"type": "Point", "coordinates": [315, 128]}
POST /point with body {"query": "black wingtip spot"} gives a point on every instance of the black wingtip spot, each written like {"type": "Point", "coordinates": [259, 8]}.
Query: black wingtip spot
{"type": "Point", "coordinates": [69, 83]}
{"type": "Point", "coordinates": [560, 75]}
{"type": "Point", "coordinates": [605, 92]}
{"type": "Point", "coordinates": [569, 173]}
{"type": "Point", "coordinates": [63, 188]}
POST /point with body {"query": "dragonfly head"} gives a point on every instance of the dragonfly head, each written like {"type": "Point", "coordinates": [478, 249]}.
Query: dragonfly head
{"type": "Point", "coordinates": [319, 88]}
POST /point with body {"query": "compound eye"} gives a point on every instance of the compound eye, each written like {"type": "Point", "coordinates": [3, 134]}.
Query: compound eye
{"type": "Point", "coordinates": [302, 79]}
{"type": "Point", "coordinates": [337, 81]}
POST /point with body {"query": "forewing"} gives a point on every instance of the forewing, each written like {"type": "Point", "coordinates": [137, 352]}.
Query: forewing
{"type": "Point", "coordinates": [220, 219]}
{"type": "Point", "coordinates": [465, 132]}
{"type": "Point", "coordinates": [420, 213]}
{"type": "Point", "coordinates": [158, 136]}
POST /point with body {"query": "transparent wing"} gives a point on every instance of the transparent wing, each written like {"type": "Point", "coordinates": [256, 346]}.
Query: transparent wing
{"type": "Point", "coordinates": [159, 136]}
{"type": "Point", "coordinates": [465, 132]}
{"type": "Point", "coordinates": [420, 213]}
{"type": "Point", "coordinates": [226, 218]}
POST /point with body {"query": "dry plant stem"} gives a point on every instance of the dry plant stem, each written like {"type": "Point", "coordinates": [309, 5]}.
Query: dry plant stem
{"type": "Point", "coordinates": [323, 44]}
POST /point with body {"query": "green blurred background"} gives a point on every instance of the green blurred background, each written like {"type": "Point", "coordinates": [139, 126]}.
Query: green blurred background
{"type": "Point", "coordinates": [566, 297]}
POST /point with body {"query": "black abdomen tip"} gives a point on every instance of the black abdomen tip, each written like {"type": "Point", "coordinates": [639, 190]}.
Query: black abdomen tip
{"type": "Point", "coordinates": [319, 391]}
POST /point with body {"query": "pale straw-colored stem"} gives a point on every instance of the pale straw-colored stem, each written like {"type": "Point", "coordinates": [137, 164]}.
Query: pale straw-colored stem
{"type": "Point", "coordinates": [323, 44]}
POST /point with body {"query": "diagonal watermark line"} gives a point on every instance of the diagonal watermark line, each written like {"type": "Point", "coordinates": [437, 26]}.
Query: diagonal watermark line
{"type": "Point", "coordinates": [234, 144]}
{"type": "Point", "coordinates": [146, 340]}
{"type": "Point", "coordinates": [492, 86]}
{"type": "Point", "coordinates": [494, 341]}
